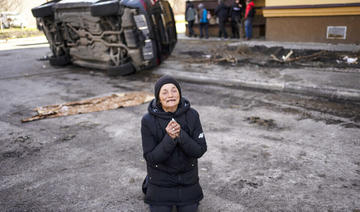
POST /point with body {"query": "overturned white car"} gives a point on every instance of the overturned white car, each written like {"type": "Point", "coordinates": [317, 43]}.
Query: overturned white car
{"type": "Point", "coordinates": [119, 36]}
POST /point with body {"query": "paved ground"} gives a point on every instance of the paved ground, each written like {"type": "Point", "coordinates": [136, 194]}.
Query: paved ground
{"type": "Point", "coordinates": [314, 80]}
{"type": "Point", "coordinates": [317, 81]}
{"type": "Point", "coordinates": [268, 150]}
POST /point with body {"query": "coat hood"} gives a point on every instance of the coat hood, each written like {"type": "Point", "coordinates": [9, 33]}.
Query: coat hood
{"type": "Point", "coordinates": [156, 110]}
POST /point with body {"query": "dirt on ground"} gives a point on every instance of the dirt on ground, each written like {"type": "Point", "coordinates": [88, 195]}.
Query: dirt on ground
{"type": "Point", "coordinates": [270, 57]}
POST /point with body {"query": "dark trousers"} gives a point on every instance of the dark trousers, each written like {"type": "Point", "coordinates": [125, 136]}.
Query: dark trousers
{"type": "Point", "coordinates": [204, 26]}
{"type": "Point", "coordinates": [235, 28]}
{"type": "Point", "coordinates": [222, 30]}
{"type": "Point", "coordinates": [182, 208]}
{"type": "Point", "coordinates": [190, 25]}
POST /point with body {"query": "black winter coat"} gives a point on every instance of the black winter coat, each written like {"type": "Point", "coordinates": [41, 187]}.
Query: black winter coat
{"type": "Point", "coordinates": [222, 11]}
{"type": "Point", "coordinates": [236, 12]}
{"type": "Point", "coordinates": [172, 164]}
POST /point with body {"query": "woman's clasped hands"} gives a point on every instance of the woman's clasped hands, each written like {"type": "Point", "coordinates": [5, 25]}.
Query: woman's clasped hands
{"type": "Point", "coordinates": [173, 129]}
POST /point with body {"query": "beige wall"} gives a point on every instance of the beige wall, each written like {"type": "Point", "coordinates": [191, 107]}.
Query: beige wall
{"type": "Point", "coordinates": [311, 29]}
{"type": "Point", "coordinates": [309, 24]}
{"type": "Point", "coordinates": [334, 11]}
{"type": "Point", "coordinates": [269, 3]}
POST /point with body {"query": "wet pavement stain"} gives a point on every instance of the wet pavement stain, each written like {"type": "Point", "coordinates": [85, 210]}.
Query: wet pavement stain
{"type": "Point", "coordinates": [267, 123]}
{"type": "Point", "coordinates": [12, 154]}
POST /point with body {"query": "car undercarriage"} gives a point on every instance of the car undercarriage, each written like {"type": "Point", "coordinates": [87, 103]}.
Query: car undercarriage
{"type": "Point", "coordinates": [107, 35]}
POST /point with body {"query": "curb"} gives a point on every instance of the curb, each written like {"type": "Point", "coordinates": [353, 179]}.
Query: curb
{"type": "Point", "coordinates": [328, 92]}
{"type": "Point", "coordinates": [332, 93]}
{"type": "Point", "coordinates": [286, 45]}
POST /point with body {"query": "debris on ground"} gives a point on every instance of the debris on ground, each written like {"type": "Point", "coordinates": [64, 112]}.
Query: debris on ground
{"type": "Point", "coordinates": [22, 139]}
{"type": "Point", "coordinates": [286, 58]}
{"type": "Point", "coordinates": [68, 137]}
{"type": "Point", "coordinates": [306, 57]}
{"type": "Point", "coordinates": [111, 102]}
{"type": "Point", "coordinates": [268, 123]}
{"type": "Point", "coordinates": [213, 57]}
{"type": "Point", "coordinates": [272, 57]}
{"type": "Point", "coordinates": [350, 60]}
{"type": "Point", "coordinates": [44, 58]}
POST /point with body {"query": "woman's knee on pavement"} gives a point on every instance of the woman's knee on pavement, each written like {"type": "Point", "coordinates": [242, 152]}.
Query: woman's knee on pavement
{"type": "Point", "coordinates": [157, 208]}
{"type": "Point", "coordinates": [188, 208]}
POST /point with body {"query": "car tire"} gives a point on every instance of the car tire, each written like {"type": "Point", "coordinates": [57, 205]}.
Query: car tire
{"type": "Point", "coordinates": [44, 10]}
{"type": "Point", "coordinates": [105, 8]}
{"type": "Point", "coordinates": [122, 70]}
{"type": "Point", "coordinates": [59, 60]}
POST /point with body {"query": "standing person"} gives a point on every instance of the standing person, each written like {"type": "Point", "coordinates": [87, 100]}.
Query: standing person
{"type": "Point", "coordinates": [222, 12]}
{"type": "Point", "coordinates": [249, 15]}
{"type": "Point", "coordinates": [242, 24]}
{"type": "Point", "coordinates": [236, 11]}
{"type": "Point", "coordinates": [190, 15]}
{"type": "Point", "coordinates": [172, 141]}
{"type": "Point", "coordinates": [204, 22]}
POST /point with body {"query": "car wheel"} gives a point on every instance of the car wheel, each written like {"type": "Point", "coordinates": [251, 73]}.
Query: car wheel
{"type": "Point", "coordinates": [43, 10]}
{"type": "Point", "coordinates": [121, 70]}
{"type": "Point", "coordinates": [59, 60]}
{"type": "Point", "coordinates": [105, 8]}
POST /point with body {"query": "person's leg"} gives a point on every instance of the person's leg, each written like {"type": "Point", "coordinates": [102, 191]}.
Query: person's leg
{"type": "Point", "coordinates": [206, 30]}
{"type": "Point", "coordinates": [160, 208]}
{"type": "Point", "coordinates": [189, 28]}
{"type": "Point", "coordinates": [250, 28]}
{"type": "Point", "coordinates": [201, 29]}
{"type": "Point", "coordinates": [233, 29]}
{"type": "Point", "coordinates": [191, 31]}
{"type": "Point", "coordinates": [236, 28]}
{"type": "Point", "coordinates": [225, 33]}
{"type": "Point", "coordinates": [247, 28]}
{"type": "Point", "coordinates": [188, 208]}
{"type": "Point", "coordinates": [222, 29]}
{"type": "Point", "coordinates": [241, 27]}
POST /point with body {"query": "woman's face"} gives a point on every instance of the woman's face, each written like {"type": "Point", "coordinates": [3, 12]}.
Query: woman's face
{"type": "Point", "coordinates": [169, 97]}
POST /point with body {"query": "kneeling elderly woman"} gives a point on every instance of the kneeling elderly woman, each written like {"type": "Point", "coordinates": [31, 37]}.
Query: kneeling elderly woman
{"type": "Point", "coordinates": [172, 140]}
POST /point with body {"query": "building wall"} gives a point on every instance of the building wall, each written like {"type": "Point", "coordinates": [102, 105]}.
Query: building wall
{"type": "Point", "coordinates": [311, 29]}
{"type": "Point", "coordinates": [270, 3]}
{"type": "Point", "coordinates": [308, 21]}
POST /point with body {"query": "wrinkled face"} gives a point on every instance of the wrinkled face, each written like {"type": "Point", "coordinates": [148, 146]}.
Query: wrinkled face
{"type": "Point", "coordinates": [169, 97]}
